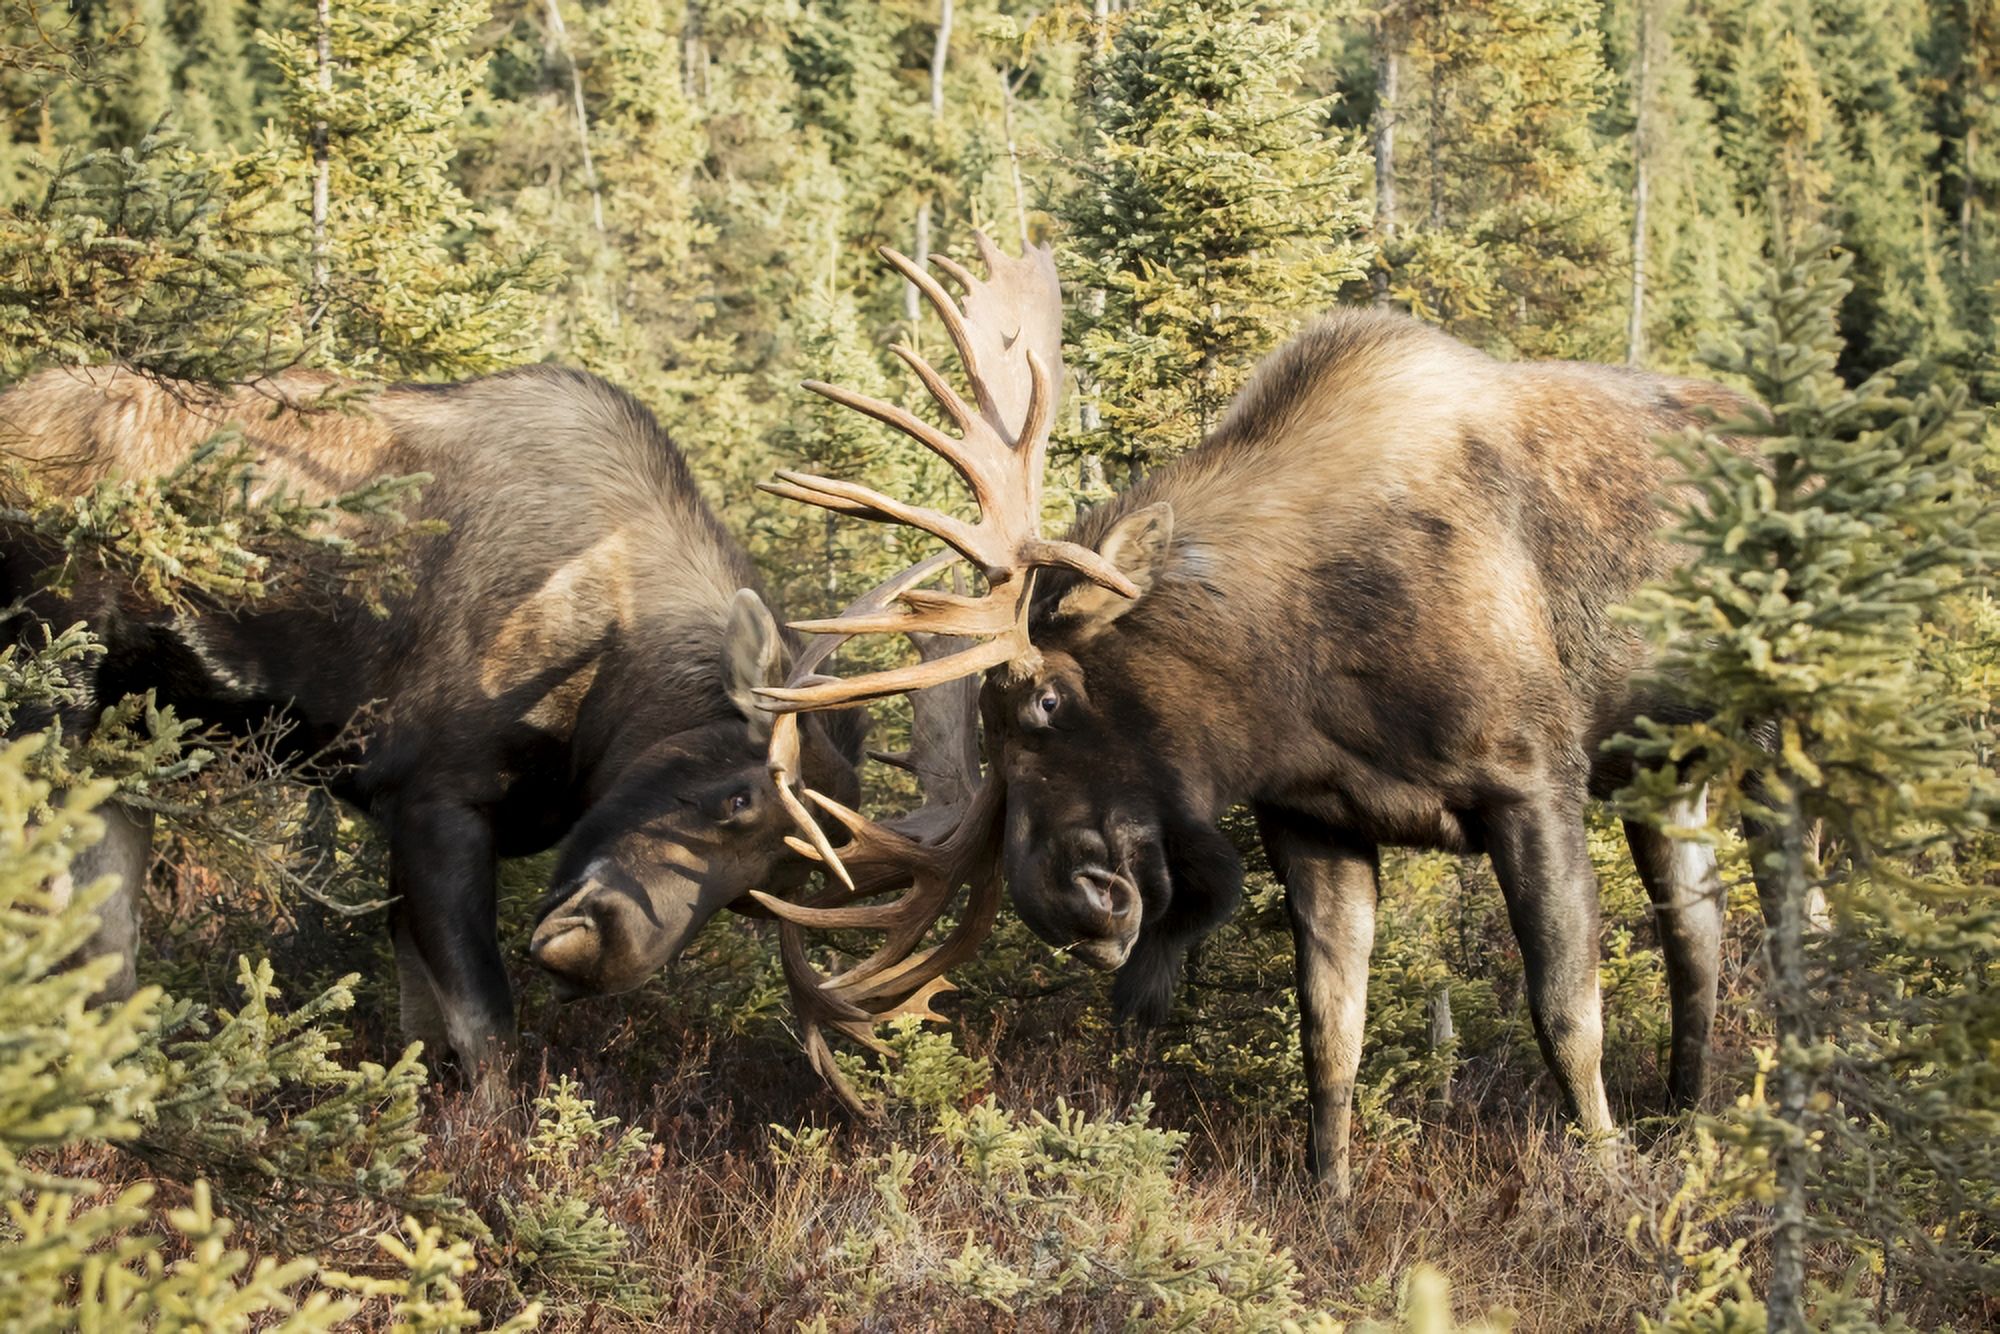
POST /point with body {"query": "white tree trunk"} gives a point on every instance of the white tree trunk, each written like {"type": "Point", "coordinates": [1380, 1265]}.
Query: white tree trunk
{"type": "Point", "coordinates": [1642, 170]}
{"type": "Point", "coordinates": [322, 158]}
{"type": "Point", "coordinates": [1387, 73]}
{"type": "Point", "coordinates": [1785, 893]}
{"type": "Point", "coordinates": [560, 34]}
{"type": "Point", "coordinates": [940, 53]}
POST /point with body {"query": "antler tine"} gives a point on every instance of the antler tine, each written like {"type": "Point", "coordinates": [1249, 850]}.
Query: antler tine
{"type": "Point", "coordinates": [952, 451]}
{"type": "Point", "coordinates": [879, 685]}
{"type": "Point", "coordinates": [863, 502]}
{"type": "Point", "coordinates": [923, 611]}
{"type": "Point", "coordinates": [828, 641]}
{"type": "Point", "coordinates": [934, 874]}
{"type": "Point", "coordinates": [940, 390]}
{"type": "Point", "coordinates": [955, 325]}
{"type": "Point", "coordinates": [908, 983]}
{"type": "Point", "coordinates": [1007, 331]}
{"type": "Point", "coordinates": [784, 767]}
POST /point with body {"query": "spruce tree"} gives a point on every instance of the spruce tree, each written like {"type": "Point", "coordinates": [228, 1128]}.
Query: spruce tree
{"type": "Point", "coordinates": [1511, 226]}
{"type": "Point", "coordinates": [1831, 97]}
{"type": "Point", "coordinates": [405, 279]}
{"type": "Point", "coordinates": [587, 149]}
{"type": "Point", "coordinates": [1825, 532]}
{"type": "Point", "coordinates": [1702, 239]}
{"type": "Point", "coordinates": [1215, 211]}
{"type": "Point", "coordinates": [220, 91]}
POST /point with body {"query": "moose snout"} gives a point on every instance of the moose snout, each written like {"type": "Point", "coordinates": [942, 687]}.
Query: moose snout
{"type": "Point", "coordinates": [1107, 894]}
{"type": "Point", "coordinates": [569, 945]}
{"type": "Point", "coordinates": [1070, 895]}
{"type": "Point", "coordinates": [587, 943]}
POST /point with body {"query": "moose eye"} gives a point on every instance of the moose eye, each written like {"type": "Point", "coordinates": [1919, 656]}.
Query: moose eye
{"type": "Point", "coordinates": [738, 803]}
{"type": "Point", "coordinates": [1048, 703]}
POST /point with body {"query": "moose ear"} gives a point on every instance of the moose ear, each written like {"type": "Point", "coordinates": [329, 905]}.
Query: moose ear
{"type": "Point", "coordinates": [753, 655]}
{"type": "Point", "coordinates": [1138, 545]}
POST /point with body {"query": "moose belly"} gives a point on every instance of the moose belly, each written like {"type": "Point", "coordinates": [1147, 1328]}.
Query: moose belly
{"type": "Point", "coordinates": [1392, 814]}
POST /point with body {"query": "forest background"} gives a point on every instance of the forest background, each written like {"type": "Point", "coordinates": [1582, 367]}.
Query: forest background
{"type": "Point", "coordinates": [686, 198]}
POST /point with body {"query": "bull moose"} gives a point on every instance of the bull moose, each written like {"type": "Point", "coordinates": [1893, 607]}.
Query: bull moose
{"type": "Point", "coordinates": [1374, 605]}
{"type": "Point", "coordinates": [573, 661]}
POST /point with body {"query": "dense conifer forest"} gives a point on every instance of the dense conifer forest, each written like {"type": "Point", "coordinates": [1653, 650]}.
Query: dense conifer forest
{"type": "Point", "coordinates": [1798, 198]}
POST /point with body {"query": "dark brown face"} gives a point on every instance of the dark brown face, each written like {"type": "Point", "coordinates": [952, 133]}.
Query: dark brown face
{"type": "Point", "coordinates": [1085, 863]}
{"type": "Point", "coordinates": [688, 826]}
{"type": "Point", "coordinates": [1111, 851]}
{"type": "Point", "coordinates": [692, 825]}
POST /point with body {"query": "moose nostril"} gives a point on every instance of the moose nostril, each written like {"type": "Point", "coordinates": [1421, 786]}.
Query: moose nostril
{"type": "Point", "coordinates": [1108, 894]}
{"type": "Point", "coordinates": [565, 945]}
{"type": "Point", "coordinates": [1095, 893]}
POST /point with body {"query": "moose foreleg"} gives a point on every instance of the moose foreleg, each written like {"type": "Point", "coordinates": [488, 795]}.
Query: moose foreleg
{"type": "Point", "coordinates": [1686, 889]}
{"type": "Point", "coordinates": [441, 868]}
{"type": "Point", "coordinates": [1541, 856]}
{"type": "Point", "coordinates": [1330, 888]}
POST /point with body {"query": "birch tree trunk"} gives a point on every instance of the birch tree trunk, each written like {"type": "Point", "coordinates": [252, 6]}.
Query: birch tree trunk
{"type": "Point", "coordinates": [1784, 891]}
{"type": "Point", "coordinates": [1014, 155]}
{"type": "Point", "coordinates": [940, 53]}
{"type": "Point", "coordinates": [322, 159]}
{"type": "Point", "coordinates": [1387, 71]}
{"type": "Point", "coordinates": [560, 34]}
{"type": "Point", "coordinates": [1642, 170]}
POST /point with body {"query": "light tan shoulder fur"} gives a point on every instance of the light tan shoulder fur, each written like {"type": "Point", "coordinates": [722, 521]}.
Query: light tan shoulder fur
{"type": "Point", "coordinates": [78, 426]}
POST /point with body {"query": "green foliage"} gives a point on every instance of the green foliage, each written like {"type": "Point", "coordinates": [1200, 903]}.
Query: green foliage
{"type": "Point", "coordinates": [126, 1284]}
{"type": "Point", "coordinates": [426, 1297]}
{"type": "Point", "coordinates": [686, 197]}
{"type": "Point", "coordinates": [1819, 547]}
{"type": "Point", "coordinates": [1827, 531]}
{"type": "Point", "coordinates": [1509, 219]}
{"type": "Point", "coordinates": [194, 532]}
{"type": "Point", "coordinates": [257, 1102]}
{"type": "Point", "coordinates": [190, 1099]}
{"type": "Point", "coordinates": [1061, 1208]}
{"type": "Point", "coordinates": [73, 1071]}
{"type": "Point", "coordinates": [567, 1246]}
{"type": "Point", "coordinates": [150, 254]}
{"type": "Point", "coordinates": [405, 280]}
{"type": "Point", "coordinates": [1707, 1279]}
{"type": "Point", "coordinates": [1215, 211]}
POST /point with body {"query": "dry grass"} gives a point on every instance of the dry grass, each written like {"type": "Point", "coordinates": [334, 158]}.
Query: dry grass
{"type": "Point", "coordinates": [727, 1235]}
{"type": "Point", "coordinates": [1492, 1192]}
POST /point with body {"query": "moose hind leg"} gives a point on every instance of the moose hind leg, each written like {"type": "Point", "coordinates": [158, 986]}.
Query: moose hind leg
{"type": "Point", "coordinates": [1541, 856]}
{"type": "Point", "coordinates": [1330, 889]}
{"type": "Point", "coordinates": [1685, 886]}
{"type": "Point", "coordinates": [417, 999]}
{"type": "Point", "coordinates": [126, 852]}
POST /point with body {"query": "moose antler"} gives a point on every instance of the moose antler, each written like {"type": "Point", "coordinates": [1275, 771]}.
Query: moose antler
{"type": "Point", "coordinates": [1009, 338]}
{"type": "Point", "coordinates": [1008, 335]}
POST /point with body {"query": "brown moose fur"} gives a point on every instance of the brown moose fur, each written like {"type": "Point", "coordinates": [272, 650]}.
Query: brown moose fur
{"type": "Point", "coordinates": [1376, 609]}
{"type": "Point", "coordinates": [562, 660]}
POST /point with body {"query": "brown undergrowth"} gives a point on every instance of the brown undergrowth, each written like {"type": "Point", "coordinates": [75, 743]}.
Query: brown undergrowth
{"type": "Point", "coordinates": [670, 1162]}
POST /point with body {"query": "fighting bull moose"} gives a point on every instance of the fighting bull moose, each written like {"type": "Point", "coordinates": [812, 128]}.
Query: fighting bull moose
{"type": "Point", "coordinates": [573, 661]}
{"type": "Point", "coordinates": [1374, 605]}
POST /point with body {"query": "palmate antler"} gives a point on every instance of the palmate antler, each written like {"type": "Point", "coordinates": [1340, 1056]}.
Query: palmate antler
{"type": "Point", "coordinates": [1008, 335]}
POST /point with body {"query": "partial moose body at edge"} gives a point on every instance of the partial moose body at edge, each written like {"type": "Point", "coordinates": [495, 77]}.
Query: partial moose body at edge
{"type": "Point", "coordinates": [573, 659]}
{"type": "Point", "coordinates": [1375, 607]}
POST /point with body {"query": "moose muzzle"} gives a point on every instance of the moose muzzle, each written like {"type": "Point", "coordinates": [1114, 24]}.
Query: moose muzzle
{"type": "Point", "coordinates": [608, 935]}
{"type": "Point", "coordinates": [1069, 894]}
